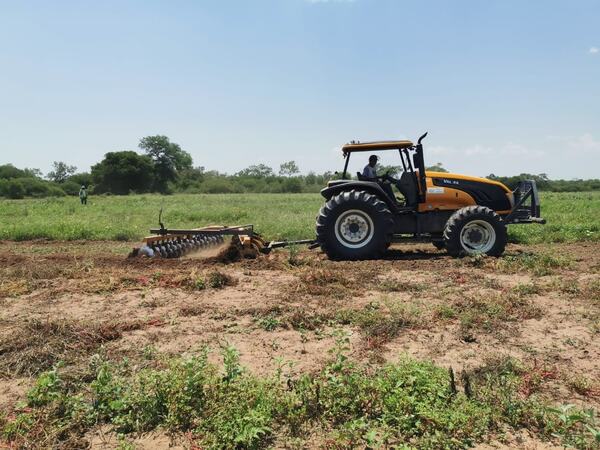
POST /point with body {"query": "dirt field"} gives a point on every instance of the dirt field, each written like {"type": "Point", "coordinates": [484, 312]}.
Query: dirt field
{"type": "Point", "coordinates": [539, 304]}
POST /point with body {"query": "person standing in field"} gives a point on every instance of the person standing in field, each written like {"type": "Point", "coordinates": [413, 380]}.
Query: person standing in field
{"type": "Point", "coordinates": [83, 195]}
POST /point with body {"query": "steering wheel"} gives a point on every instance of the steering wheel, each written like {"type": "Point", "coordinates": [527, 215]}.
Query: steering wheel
{"type": "Point", "coordinates": [387, 177]}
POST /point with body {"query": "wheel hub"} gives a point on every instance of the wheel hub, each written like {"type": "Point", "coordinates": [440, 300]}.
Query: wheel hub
{"type": "Point", "coordinates": [354, 228]}
{"type": "Point", "coordinates": [477, 236]}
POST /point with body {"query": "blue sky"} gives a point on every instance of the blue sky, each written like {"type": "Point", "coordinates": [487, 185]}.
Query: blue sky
{"type": "Point", "coordinates": [502, 86]}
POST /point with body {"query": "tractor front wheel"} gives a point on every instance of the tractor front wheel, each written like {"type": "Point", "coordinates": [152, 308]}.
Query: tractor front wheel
{"type": "Point", "coordinates": [354, 225]}
{"type": "Point", "coordinates": [475, 230]}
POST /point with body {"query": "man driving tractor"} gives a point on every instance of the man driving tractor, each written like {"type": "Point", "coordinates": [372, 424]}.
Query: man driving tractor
{"type": "Point", "coordinates": [370, 174]}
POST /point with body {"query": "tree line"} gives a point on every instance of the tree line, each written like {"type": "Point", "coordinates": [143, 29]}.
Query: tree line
{"type": "Point", "coordinates": [164, 167]}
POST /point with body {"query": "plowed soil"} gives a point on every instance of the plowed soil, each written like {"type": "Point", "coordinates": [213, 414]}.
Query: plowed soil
{"type": "Point", "coordinates": [68, 301]}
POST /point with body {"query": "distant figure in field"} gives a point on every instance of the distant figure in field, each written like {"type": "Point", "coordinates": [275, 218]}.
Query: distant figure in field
{"type": "Point", "coordinates": [83, 195]}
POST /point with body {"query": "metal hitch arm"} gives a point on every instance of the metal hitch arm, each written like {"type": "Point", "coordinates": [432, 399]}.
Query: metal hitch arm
{"type": "Point", "coordinates": [522, 213]}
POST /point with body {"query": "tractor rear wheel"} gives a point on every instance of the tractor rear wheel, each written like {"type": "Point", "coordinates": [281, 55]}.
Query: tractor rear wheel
{"type": "Point", "coordinates": [475, 230]}
{"type": "Point", "coordinates": [440, 245]}
{"type": "Point", "coordinates": [354, 225]}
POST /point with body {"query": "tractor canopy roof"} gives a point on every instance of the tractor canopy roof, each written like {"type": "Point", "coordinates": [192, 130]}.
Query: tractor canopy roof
{"type": "Point", "coordinates": [379, 145]}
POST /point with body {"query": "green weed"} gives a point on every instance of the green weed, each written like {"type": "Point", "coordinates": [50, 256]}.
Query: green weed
{"type": "Point", "coordinates": [200, 284]}
{"type": "Point", "coordinates": [526, 289]}
{"type": "Point", "coordinates": [410, 403]}
{"type": "Point", "coordinates": [392, 285]}
{"type": "Point", "coordinates": [539, 264]}
{"type": "Point", "coordinates": [592, 291]}
{"type": "Point", "coordinates": [269, 323]}
{"type": "Point", "coordinates": [381, 323]}
{"type": "Point", "coordinates": [490, 312]}
{"type": "Point", "coordinates": [218, 280]}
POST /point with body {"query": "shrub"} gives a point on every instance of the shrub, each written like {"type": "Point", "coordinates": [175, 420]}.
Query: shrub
{"type": "Point", "coordinates": [17, 188]}
{"type": "Point", "coordinates": [70, 187]}
{"type": "Point", "coordinates": [14, 188]}
{"type": "Point", "coordinates": [217, 186]}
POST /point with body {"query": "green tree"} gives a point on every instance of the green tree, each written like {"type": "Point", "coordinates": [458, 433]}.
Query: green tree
{"type": "Point", "coordinates": [287, 169]}
{"type": "Point", "coordinates": [393, 171]}
{"type": "Point", "coordinates": [256, 171]}
{"type": "Point", "coordinates": [82, 178]}
{"type": "Point", "coordinates": [122, 172]}
{"type": "Point", "coordinates": [8, 171]}
{"type": "Point", "coordinates": [62, 171]}
{"type": "Point", "coordinates": [437, 167]}
{"type": "Point", "coordinates": [168, 158]}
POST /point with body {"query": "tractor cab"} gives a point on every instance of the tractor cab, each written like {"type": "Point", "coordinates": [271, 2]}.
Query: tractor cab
{"type": "Point", "coordinates": [411, 183]}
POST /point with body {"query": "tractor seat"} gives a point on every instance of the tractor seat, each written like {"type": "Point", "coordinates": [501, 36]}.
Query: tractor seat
{"type": "Point", "coordinates": [406, 185]}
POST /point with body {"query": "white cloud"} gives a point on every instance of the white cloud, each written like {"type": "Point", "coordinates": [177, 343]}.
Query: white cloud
{"type": "Point", "coordinates": [477, 150]}
{"type": "Point", "coordinates": [594, 50]}
{"type": "Point", "coordinates": [512, 149]}
{"type": "Point", "coordinates": [439, 150]}
{"type": "Point", "coordinates": [585, 143]}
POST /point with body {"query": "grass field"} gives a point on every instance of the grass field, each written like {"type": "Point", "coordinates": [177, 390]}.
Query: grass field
{"type": "Point", "coordinates": [571, 216]}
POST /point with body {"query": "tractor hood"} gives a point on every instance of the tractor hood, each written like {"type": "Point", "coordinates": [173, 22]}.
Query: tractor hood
{"type": "Point", "coordinates": [457, 177]}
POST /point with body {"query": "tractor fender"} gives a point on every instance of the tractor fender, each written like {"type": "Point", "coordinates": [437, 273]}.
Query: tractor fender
{"type": "Point", "coordinates": [367, 186]}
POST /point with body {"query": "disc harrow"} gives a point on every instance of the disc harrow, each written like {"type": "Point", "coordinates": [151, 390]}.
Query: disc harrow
{"type": "Point", "coordinates": [164, 243]}
{"type": "Point", "coordinates": [175, 243]}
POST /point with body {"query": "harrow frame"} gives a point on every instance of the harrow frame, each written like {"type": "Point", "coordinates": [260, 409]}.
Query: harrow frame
{"type": "Point", "coordinates": [173, 243]}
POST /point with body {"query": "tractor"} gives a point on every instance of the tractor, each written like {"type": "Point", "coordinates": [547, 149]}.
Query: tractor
{"type": "Point", "coordinates": [462, 214]}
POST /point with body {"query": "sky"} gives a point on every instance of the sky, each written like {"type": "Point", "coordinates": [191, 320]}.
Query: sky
{"type": "Point", "coordinates": [502, 86]}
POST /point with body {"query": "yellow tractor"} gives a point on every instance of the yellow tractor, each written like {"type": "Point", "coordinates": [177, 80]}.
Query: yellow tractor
{"type": "Point", "coordinates": [463, 214]}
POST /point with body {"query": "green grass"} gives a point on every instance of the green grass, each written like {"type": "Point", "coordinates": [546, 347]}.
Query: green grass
{"type": "Point", "coordinates": [130, 217]}
{"type": "Point", "coordinates": [571, 216]}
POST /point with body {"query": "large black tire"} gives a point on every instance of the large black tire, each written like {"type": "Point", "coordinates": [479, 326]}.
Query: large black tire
{"type": "Point", "coordinates": [440, 245]}
{"type": "Point", "coordinates": [354, 225]}
{"type": "Point", "coordinates": [475, 230]}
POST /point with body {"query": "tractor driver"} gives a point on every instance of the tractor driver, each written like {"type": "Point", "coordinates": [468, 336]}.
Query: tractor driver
{"type": "Point", "coordinates": [370, 174]}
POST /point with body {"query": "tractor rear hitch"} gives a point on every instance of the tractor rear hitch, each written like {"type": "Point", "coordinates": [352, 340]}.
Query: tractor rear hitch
{"type": "Point", "coordinates": [521, 211]}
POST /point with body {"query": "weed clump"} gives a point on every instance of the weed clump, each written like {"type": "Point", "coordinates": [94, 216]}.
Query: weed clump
{"type": "Point", "coordinates": [526, 289]}
{"type": "Point", "coordinates": [218, 280]}
{"type": "Point", "coordinates": [592, 292]}
{"type": "Point", "coordinates": [391, 285]}
{"type": "Point", "coordinates": [325, 281]}
{"type": "Point", "coordinates": [539, 264]}
{"type": "Point", "coordinates": [199, 284]}
{"type": "Point", "coordinates": [269, 323]}
{"type": "Point", "coordinates": [40, 344]}
{"type": "Point", "coordinates": [14, 288]}
{"type": "Point", "coordinates": [382, 324]}
{"type": "Point", "coordinates": [491, 312]}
